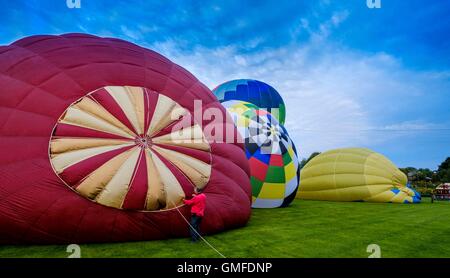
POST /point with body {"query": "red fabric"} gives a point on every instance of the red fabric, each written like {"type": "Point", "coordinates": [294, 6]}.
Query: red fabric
{"type": "Point", "coordinates": [40, 77]}
{"type": "Point", "coordinates": [135, 198]}
{"type": "Point", "coordinates": [276, 160]}
{"type": "Point", "coordinates": [258, 168]}
{"type": "Point", "coordinates": [197, 204]}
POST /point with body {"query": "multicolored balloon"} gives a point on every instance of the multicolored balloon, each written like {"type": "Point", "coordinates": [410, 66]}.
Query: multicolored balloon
{"type": "Point", "coordinates": [256, 92]}
{"type": "Point", "coordinates": [272, 156]}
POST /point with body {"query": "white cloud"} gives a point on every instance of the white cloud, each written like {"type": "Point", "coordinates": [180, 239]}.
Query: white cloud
{"type": "Point", "coordinates": [131, 33]}
{"type": "Point", "coordinates": [324, 29]}
{"type": "Point", "coordinates": [339, 17]}
{"type": "Point", "coordinates": [147, 28]}
{"type": "Point", "coordinates": [82, 28]}
{"type": "Point", "coordinates": [416, 125]}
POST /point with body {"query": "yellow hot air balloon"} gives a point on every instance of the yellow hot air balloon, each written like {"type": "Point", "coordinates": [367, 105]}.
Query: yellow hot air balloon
{"type": "Point", "coordinates": [354, 174]}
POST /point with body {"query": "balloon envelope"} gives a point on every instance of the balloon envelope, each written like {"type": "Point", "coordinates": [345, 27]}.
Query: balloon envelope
{"type": "Point", "coordinates": [354, 174]}
{"type": "Point", "coordinates": [90, 152]}
{"type": "Point", "coordinates": [271, 154]}
{"type": "Point", "coordinates": [256, 92]}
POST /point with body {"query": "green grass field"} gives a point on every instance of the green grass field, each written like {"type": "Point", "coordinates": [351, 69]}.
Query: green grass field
{"type": "Point", "coordinates": [305, 229]}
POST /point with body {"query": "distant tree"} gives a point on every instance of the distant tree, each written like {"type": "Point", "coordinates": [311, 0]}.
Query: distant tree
{"type": "Point", "coordinates": [422, 177]}
{"type": "Point", "coordinates": [304, 161]}
{"type": "Point", "coordinates": [443, 171]}
{"type": "Point", "coordinates": [424, 174]}
{"type": "Point", "coordinates": [426, 178]}
{"type": "Point", "coordinates": [409, 171]}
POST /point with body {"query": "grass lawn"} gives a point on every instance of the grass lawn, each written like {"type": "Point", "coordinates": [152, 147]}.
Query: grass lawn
{"type": "Point", "coordinates": [304, 229]}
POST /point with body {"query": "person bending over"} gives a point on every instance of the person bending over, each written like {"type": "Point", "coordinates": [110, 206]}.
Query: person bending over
{"type": "Point", "coordinates": [197, 203]}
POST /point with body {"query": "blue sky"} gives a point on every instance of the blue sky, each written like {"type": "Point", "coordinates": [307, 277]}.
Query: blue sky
{"type": "Point", "coordinates": [350, 75]}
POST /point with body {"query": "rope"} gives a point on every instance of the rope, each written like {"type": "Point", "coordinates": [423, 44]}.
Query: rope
{"type": "Point", "coordinates": [212, 247]}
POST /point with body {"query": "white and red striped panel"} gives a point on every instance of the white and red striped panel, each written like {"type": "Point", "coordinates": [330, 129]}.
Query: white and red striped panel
{"type": "Point", "coordinates": [130, 148]}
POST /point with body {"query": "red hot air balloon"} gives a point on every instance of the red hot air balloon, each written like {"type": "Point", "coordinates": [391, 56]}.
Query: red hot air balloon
{"type": "Point", "coordinates": [91, 148]}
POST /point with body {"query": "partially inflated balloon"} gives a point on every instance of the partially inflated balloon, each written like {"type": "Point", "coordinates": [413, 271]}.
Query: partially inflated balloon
{"type": "Point", "coordinates": [354, 174]}
{"type": "Point", "coordinates": [271, 154]}
{"type": "Point", "coordinates": [91, 149]}
{"type": "Point", "coordinates": [256, 92]}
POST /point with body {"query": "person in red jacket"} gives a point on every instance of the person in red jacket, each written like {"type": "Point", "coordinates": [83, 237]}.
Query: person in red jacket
{"type": "Point", "coordinates": [197, 203]}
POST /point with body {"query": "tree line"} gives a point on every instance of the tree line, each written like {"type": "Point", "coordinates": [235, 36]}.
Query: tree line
{"type": "Point", "coordinates": [426, 180]}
